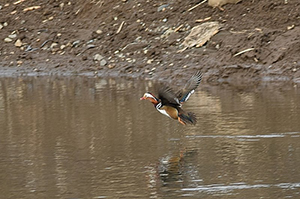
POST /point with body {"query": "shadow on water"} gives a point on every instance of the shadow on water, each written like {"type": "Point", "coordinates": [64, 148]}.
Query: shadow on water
{"type": "Point", "coordinates": [79, 137]}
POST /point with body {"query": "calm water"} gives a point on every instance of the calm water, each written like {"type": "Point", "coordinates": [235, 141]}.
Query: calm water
{"type": "Point", "coordinates": [93, 138]}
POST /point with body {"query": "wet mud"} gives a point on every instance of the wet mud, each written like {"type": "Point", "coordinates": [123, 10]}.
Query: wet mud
{"type": "Point", "coordinates": [258, 41]}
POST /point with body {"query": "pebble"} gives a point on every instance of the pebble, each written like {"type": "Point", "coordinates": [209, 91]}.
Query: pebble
{"type": "Point", "coordinates": [98, 57]}
{"type": "Point", "coordinates": [54, 45]}
{"type": "Point", "coordinates": [99, 32]}
{"type": "Point", "coordinates": [36, 70]}
{"type": "Point", "coordinates": [19, 63]}
{"type": "Point", "coordinates": [7, 40]}
{"type": "Point", "coordinates": [12, 36]}
{"type": "Point", "coordinates": [1, 26]}
{"type": "Point", "coordinates": [149, 61]}
{"type": "Point", "coordinates": [75, 43]}
{"type": "Point", "coordinates": [291, 27]}
{"type": "Point", "coordinates": [90, 46]}
{"type": "Point", "coordinates": [18, 43]}
{"type": "Point", "coordinates": [162, 7]}
{"type": "Point", "coordinates": [90, 41]}
{"type": "Point", "coordinates": [103, 62]}
{"type": "Point", "coordinates": [121, 55]}
{"type": "Point", "coordinates": [61, 5]}
{"type": "Point", "coordinates": [110, 66]}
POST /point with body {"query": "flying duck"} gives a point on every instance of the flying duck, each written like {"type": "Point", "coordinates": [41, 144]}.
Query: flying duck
{"type": "Point", "coordinates": [169, 103]}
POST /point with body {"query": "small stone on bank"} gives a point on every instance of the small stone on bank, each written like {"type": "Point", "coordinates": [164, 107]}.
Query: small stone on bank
{"type": "Point", "coordinates": [18, 43]}
{"type": "Point", "coordinates": [99, 32]}
{"type": "Point", "coordinates": [98, 57]}
{"type": "Point", "coordinates": [53, 45]}
{"type": "Point", "coordinates": [103, 62]}
{"type": "Point", "coordinates": [12, 36]}
{"type": "Point", "coordinates": [110, 66]}
{"type": "Point", "coordinates": [19, 63]}
{"type": "Point", "coordinates": [7, 40]}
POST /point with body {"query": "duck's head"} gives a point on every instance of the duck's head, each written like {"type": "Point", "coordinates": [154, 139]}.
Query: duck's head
{"type": "Point", "coordinates": [149, 96]}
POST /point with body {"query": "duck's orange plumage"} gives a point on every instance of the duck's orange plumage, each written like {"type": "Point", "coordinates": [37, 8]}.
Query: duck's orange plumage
{"type": "Point", "coordinates": [169, 103]}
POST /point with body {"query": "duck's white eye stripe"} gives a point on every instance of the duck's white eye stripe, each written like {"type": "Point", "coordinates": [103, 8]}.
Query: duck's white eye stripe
{"type": "Point", "coordinates": [148, 95]}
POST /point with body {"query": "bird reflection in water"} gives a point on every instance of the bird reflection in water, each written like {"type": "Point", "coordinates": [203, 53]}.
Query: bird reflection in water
{"type": "Point", "coordinates": [172, 168]}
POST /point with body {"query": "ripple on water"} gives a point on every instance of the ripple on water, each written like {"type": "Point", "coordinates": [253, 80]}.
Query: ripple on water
{"type": "Point", "coordinates": [246, 137]}
{"type": "Point", "coordinates": [213, 188]}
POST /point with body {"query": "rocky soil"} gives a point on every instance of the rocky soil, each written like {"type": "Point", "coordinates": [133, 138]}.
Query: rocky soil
{"type": "Point", "coordinates": [258, 40]}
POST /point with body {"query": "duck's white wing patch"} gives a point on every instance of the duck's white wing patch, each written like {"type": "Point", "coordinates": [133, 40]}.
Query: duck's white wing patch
{"type": "Point", "coordinates": [187, 96]}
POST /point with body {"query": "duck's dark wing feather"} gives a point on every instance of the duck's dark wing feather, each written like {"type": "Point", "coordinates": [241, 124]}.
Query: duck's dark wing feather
{"type": "Point", "coordinates": [189, 88]}
{"type": "Point", "coordinates": [187, 117]}
{"type": "Point", "coordinates": [168, 97]}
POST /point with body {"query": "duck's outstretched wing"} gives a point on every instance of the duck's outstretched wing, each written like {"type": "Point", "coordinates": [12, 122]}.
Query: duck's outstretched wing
{"type": "Point", "coordinates": [168, 97]}
{"type": "Point", "coordinates": [189, 88]}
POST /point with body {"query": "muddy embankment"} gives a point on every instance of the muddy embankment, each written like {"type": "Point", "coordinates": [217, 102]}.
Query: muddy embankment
{"type": "Point", "coordinates": [257, 41]}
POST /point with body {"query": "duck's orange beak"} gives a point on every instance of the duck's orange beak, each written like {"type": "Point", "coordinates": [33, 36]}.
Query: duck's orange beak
{"type": "Point", "coordinates": [143, 98]}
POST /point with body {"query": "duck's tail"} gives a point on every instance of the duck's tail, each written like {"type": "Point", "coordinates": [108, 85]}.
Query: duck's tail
{"type": "Point", "coordinates": [187, 118]}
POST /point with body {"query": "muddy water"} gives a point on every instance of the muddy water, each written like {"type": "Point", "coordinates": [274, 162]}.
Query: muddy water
{"type": "Point", "coordinates": [93, 138]}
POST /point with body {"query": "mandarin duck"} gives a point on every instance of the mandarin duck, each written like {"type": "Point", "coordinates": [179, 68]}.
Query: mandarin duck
{"type": "Point", "coordinates": [169, 103]}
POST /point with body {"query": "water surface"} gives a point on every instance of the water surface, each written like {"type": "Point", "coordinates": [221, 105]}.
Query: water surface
{"type": "Point", "coordinates": [83, 137]}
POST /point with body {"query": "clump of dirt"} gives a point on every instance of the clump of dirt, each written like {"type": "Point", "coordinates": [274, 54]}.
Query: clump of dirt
{"type": "Point", "coordinates": [259, 40]}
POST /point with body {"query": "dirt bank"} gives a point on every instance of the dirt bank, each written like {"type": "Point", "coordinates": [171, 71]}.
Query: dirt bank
{"type": "Point", "coordinates": [259, 40]}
